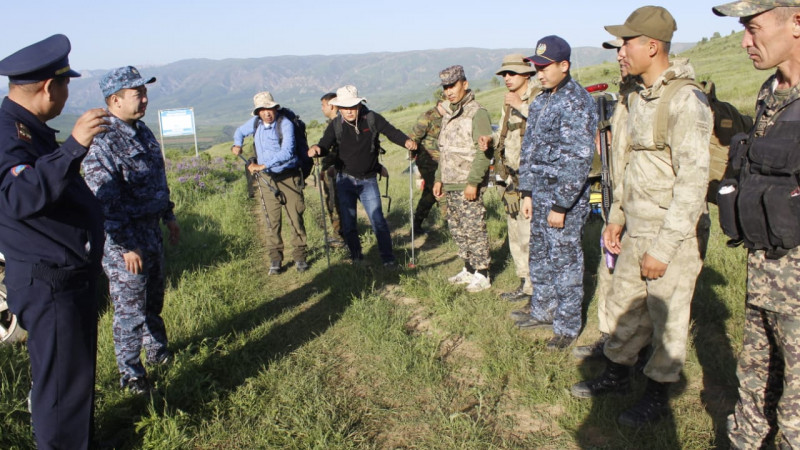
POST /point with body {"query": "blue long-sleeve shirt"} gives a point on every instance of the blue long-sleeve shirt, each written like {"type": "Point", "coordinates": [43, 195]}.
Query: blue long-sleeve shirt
{"type": "Point", "coordinates": [277, 156]}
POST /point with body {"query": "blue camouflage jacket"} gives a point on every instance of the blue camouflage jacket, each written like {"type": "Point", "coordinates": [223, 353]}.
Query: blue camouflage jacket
{"type": "Point", "coordinates": [125, 170]}
{"type": "Point", "coordinates": [558, 145]}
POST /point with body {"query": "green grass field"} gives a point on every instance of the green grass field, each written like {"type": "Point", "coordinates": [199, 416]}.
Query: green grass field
{"type": "Point", "coordinates": [359, 357]}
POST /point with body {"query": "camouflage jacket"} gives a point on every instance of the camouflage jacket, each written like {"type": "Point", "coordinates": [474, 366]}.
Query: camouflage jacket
{"type": "Point", "coordinates": [426, 132]}
{"type": "Point", "coordinates": [772, 106]}
{"type": "Point", "coordinates": [125, 170]}
{"type": "Point", "coordinates": [461, 162]}
{"type": "Point", "coordinates": [662, 192]}
{"type": "Point", "coordinates": [516, 125]}
{"type": "Point", "coordinates": [559, 142]}
{"type": "Point", "coordinates": [620, 141]}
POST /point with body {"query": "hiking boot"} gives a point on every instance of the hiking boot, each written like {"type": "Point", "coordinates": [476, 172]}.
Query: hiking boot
{"type": "Point", "coordinates": [463, 277]}
{"type": "Point", "coordinates": [653, 405]}
{"type": "Point", "coordinates": [335, 242]}
{"type": "Point", "coordinates": [479, 283]}
{"type": "Point", "coordinates": [591, 351]}
{"type": "Point", "coordinates": [137, 385]}
{"type": "Point", "coordinates": [615, 378]}
{"type": "Point", "coordinates": [275, 268]}
{"type": "Point", "coordinates": [517, 294]}
{"type": "Point", "coordinates": [529, 323]}
{"type": "Point", "coordinates": [521, 314]}
{"type": "Point", "coordinates": [560, 342]}
{"type": "Point", "coordinates": [301, 265]}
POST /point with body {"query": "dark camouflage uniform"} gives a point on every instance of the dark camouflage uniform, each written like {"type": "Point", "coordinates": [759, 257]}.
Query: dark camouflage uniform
{"type": "Point", "coordinates": [426, 134]}
{"type": "Point", "coordinates": [557, 153]}
{"type": "Point", "coordinates": [769, 363]}
{"type": "Point", "coordinates": [125, 170]}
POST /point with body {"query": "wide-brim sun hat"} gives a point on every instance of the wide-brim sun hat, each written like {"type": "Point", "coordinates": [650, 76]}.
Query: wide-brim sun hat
{"type": "Point", "coordinates": [347, 97]}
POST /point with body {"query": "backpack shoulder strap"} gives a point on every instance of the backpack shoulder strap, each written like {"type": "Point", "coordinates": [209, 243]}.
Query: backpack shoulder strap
{"type": "Point", "coordinates": [373, 129]}
{"type": "Point", "coordinates": [661, 123]}
{"type": "Point", "coordinates": [337, 129]}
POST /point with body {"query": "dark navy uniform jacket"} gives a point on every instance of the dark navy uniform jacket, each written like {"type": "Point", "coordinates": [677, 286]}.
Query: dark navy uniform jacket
{"type": "Point", "coordinates": [47, 213]}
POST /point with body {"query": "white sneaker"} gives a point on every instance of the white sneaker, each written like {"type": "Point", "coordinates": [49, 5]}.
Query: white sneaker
{"type": "Point", "coordinates": [463, 277]}
{"type": "Point", "coordinates": [479, 283]}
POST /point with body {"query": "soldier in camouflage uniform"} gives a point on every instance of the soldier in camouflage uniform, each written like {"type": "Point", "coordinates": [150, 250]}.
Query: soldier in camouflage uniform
{"type": "Point", "coordinates": [329, 170]}
{"type": "Point", "coordinates": [769, 363]}
{"type": "Point", "coordinates": [618, 151]}
{"type": "Point", "coordinates": [426, 134]}
{"type": "Point", "coordinates": [557, 153]}
{"type": "Point", "coordinates": [659, 201]}
{"type": "Point", "coordinates": [516, 72]}
{"type": "Point", "coordinates": [125, 170]}
{"type": "Point", "coordinates": [462, 177]}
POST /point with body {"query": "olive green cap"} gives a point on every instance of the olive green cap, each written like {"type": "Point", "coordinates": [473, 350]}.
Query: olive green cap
{"type": "Point", "coordinates": [651, 21]}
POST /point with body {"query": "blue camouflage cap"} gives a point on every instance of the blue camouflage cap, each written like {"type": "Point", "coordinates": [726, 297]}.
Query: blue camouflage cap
{"type": "Point", "coordinates": [751, 8]}
{"type": "Point", "coordinates": [40, 61]}
{"type": "Point", "coordinates": [122, 78]}
{"type": "Point", "coordinates": [550, 49]}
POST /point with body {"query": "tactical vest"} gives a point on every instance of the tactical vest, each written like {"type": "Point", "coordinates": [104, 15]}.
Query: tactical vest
{"type": "Point", "coordinates": [456, 146]}
{"type": "Point", "coordinates": [759, 197]}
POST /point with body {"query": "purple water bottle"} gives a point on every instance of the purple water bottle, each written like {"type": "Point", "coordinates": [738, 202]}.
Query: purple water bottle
{"type": "Point", "coordinates": [611, 259]}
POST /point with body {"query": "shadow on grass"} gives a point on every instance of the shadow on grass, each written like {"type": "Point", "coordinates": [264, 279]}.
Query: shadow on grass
{"type": "Point", "coordinates": [197, 382]}
{"type": "Point", "coordinates": [591, 259]}
{"type": "Point", "coordinates": [714, 352]}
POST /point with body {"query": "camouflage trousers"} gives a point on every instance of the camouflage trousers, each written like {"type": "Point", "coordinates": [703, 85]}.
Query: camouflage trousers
{"type": "Point", "coordinates": [427, 169]}
{"type": "Point", "coordinates": [138, 301]}
{"type": "Point", "coordinates": [642, 312]}
{"type": "Point", "coordinates": [331, 204]}
{"type": "Point", "coordinates": [291, 189]}
{"type": "Point", "coordinates": [467, 223]}
{"type": "Point", "coordinates": [769, 363]}
{"type": "Point", "coordinates": [556, 263]}
{"type": "Point", "coordinates": [519, 236]}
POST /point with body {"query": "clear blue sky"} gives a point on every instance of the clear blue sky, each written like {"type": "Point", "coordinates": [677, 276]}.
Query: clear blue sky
{"type": "Point", "coordinates": [107, 34]}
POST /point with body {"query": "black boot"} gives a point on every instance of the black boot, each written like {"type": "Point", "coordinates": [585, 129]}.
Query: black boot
{"type": "Point", "coordinates": [653, 405]}
{"type": "Point", "coordinates": [616, 379]}
{"type": "Point", "coordinates": [591, 351]}
{"type": "Point", "coordinates": [517, 294]}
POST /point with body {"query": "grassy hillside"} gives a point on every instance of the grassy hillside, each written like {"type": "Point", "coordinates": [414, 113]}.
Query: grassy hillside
{"type": "Point", "coordinates": [359, 357]}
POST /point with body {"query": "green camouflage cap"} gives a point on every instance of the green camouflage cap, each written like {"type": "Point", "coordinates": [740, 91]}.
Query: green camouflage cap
{"type": "Point", "coordinates": [651, 21]}
{"type": "Point", "coordinates": [751, 8]}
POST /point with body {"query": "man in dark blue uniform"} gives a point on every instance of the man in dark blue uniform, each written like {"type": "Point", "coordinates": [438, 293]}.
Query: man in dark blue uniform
{"type": "Point", "coordinates": [51, 233]}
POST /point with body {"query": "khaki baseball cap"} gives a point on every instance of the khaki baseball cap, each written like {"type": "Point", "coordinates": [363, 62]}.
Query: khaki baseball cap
{"type": "Point", "coordinates": [751, 8]}
{"type": "Point", "coordinates": [651, 21]}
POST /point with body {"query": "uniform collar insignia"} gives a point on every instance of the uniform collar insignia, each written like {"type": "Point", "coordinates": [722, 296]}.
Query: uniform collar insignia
{"type": "Point", "coordinates": [23, 133]}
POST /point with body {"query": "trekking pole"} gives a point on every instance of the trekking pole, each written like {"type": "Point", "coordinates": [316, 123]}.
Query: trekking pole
{"type": "Point", "coordinates": [257, 176]}
{"type": "Point", "coordinates": [318, 166]}
{"type": "Point", "coordinates": [411, 264]}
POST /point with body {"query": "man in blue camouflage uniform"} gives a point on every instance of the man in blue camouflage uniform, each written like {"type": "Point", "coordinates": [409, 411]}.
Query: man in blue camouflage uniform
{"type": "Point", "coordinates": [557, 153]}
{"type": "Point", "coordinates": [52, 238]}
{"type": "Point", "coordinates": [769, 363]}
{"type": "Point", "coordinates": [125, 170]}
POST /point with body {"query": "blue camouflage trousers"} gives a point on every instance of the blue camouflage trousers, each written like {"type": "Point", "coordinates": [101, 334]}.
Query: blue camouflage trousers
{"type": "Point", "coordinates": [138, 301]}
{"type": "Point", "coordinates": [556, 262]}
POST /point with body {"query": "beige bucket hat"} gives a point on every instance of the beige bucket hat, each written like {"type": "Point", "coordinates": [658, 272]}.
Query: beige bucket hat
{"type": "Point", "coordinates": [263, 100]}
{"type": "Point", "coordinates": [515, 64]}
{"type": "Point", "coordinates": [347, 97]}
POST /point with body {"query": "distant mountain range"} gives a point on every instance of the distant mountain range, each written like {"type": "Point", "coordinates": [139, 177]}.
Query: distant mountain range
{"type": "Point", "coordinates": [221, 91]}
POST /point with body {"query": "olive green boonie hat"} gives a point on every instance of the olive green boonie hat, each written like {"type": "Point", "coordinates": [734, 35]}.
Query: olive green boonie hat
{"type": "Point", "coordinates": [751, 8]}
{"type": "Point", "coordinates": [651, 21]}
{"type": "Point", "coordinates": [515, 64]}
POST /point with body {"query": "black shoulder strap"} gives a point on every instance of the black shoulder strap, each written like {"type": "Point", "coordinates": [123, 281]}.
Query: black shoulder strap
{"type": "Point", "coordinates": [790, 113]}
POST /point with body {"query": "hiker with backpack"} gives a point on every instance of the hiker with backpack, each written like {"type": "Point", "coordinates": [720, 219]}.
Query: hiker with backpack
{"type": "Point", "coordinates": [279, 164]}
{"type": "Point", "coordinates": [356, 132]}
{"type": "Point", "coordinates": [659, 200]}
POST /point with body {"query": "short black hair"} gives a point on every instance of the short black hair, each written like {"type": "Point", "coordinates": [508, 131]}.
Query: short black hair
{"type": "Point", "coordinates": [328, 97]}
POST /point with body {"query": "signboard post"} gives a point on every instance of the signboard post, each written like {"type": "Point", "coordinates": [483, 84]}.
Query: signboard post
{"type": "Point", "coordinates": [177, 122]}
